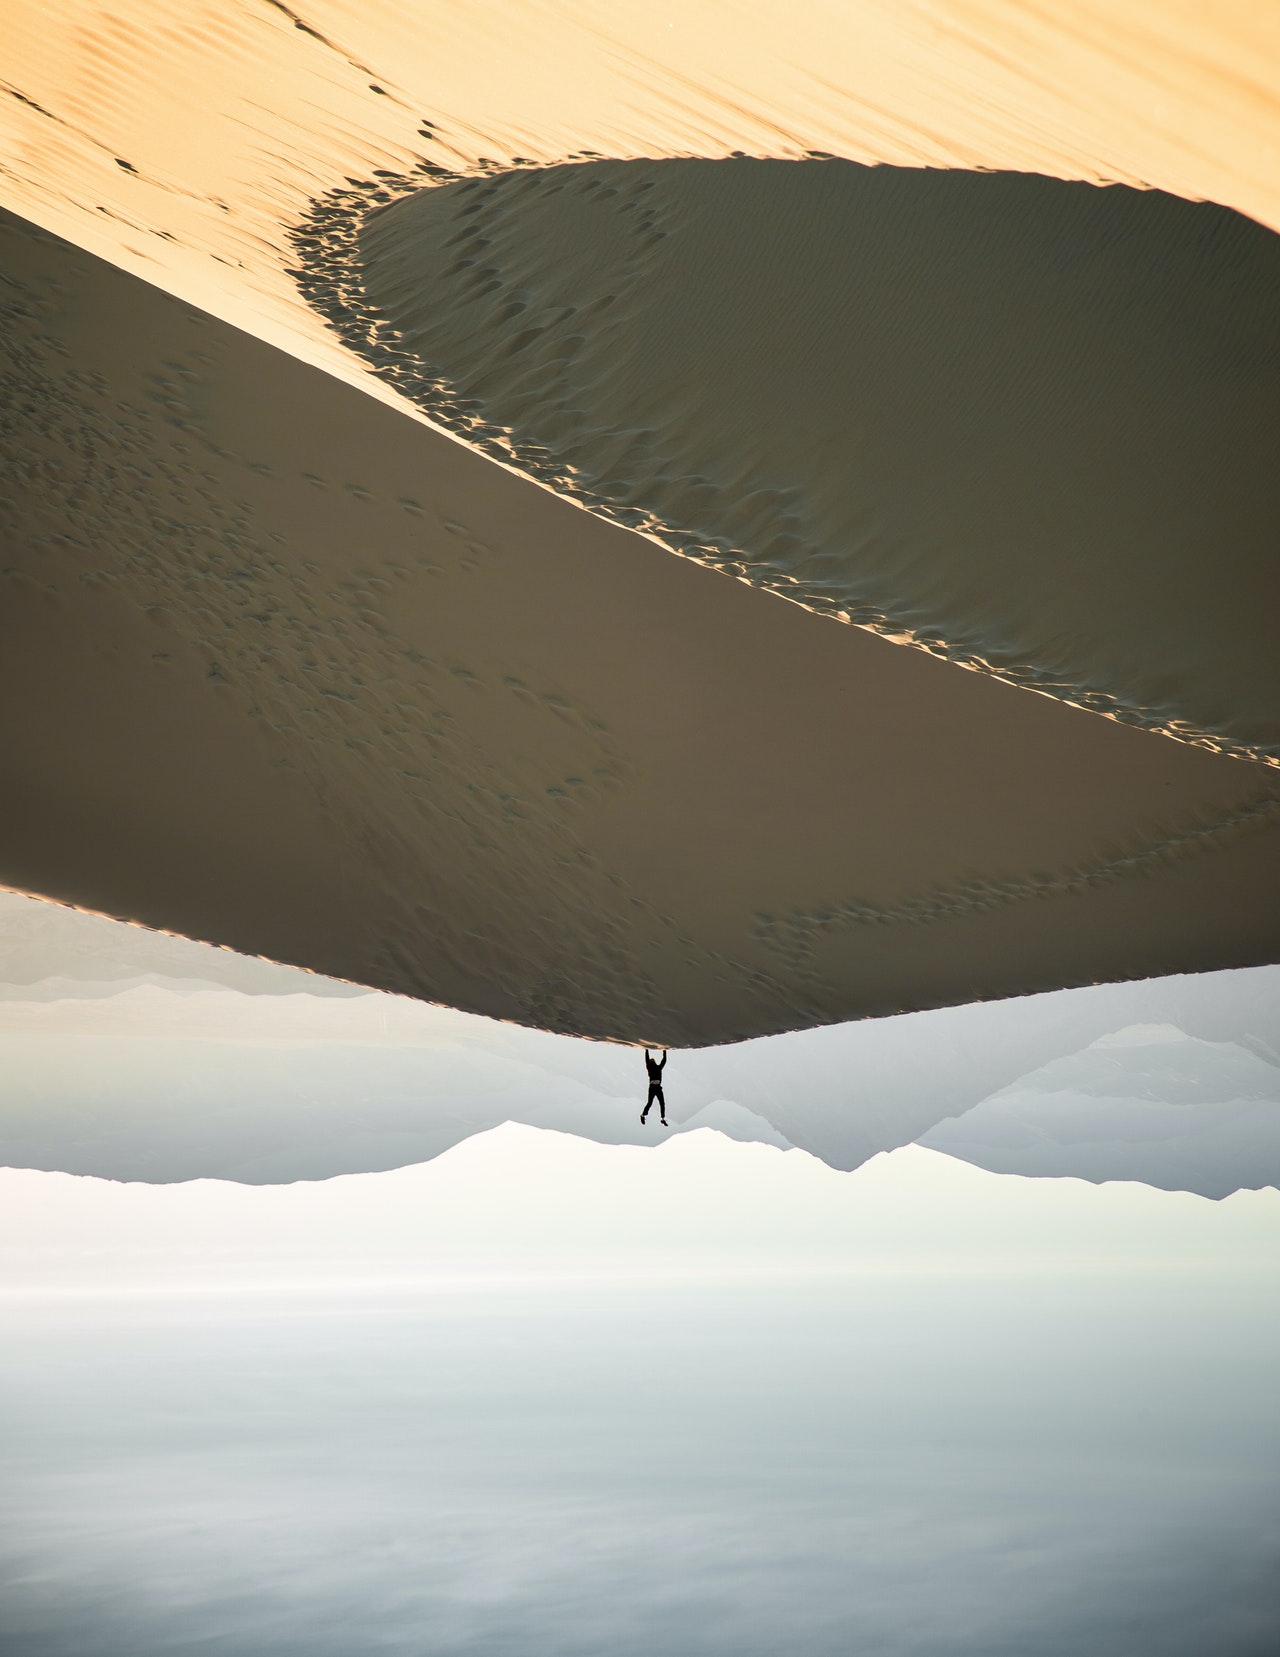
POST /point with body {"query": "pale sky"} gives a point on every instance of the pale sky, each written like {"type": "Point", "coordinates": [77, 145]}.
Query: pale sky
{"type": "Point", "coordinates": [546, 1398]}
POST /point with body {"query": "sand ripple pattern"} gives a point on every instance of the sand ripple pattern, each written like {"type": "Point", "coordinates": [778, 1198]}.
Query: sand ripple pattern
{"type": "Point", "coordinates": [1025, 425]}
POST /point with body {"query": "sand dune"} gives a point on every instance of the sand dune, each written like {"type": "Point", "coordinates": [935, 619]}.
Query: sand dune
{"type": "Point", "coordinates": [296, 671]}
{"type": "Point", "coordinates": [183, 150]}
{"type": "Point", "coordinates": [1030, 426]}
{"type": "Point", "coordinates": [303, 677]}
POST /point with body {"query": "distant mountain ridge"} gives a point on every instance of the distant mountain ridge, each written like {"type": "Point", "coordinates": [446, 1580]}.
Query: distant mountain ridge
{"type": "Point", "coordinates": [1164, 1108]}
{"type": "Point", "coordinates": [136, 1056]}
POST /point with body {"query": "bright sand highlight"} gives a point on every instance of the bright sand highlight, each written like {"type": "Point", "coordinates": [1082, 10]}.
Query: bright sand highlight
{"type": "Point", "coordinates": [300, 674]}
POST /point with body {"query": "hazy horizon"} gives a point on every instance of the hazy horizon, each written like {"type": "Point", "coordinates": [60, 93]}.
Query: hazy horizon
{"type": "Point", "coordinates": [545, 1396]}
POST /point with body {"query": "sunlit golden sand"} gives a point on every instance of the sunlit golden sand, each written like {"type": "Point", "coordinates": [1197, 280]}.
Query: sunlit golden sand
{"type": "Point", "coordinates": [294, 670]}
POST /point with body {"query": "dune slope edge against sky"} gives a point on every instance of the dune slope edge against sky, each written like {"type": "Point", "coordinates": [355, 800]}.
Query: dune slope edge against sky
{"type": "Point", "coordinates": [1175, 1082]}
{"type": "Point", "coordinates": [185, 152]}
{"type": "Point", "coordinates": [133, 1055]}
{"type": "Point", "coordinates": [336, 690]}
{"type": "Point", "coordinates": [199, 194]}
{"type": "Point", "coordinates": [370, 704]}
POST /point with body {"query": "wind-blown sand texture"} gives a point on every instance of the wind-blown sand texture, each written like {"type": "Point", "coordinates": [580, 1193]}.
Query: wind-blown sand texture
{"type": "Point", "coordinates": [1030, 426]}
{"type": "Point", "coordinates": [294, 670]}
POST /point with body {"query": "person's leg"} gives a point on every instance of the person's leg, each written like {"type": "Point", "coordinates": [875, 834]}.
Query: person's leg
{"type": "Point", "coordinates": [655, 1092]}
{"type": "Point", "coordinates": [662, 1104]}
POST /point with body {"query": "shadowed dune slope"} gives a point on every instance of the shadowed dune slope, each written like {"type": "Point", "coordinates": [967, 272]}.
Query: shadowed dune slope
{"type": "Point", "coordinates": [1028, 425]}
{"type": "Point", "coordinates": [288, 671]}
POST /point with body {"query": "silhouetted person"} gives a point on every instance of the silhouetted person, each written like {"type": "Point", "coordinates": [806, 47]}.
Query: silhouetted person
{"type": "Point", "coordinates": [655, 1067]}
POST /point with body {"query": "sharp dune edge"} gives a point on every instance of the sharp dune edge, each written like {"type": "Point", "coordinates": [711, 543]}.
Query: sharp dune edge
{"type": "Point", "coordinates": [184, 150]}
{"type": "Point", "coordinates": [133, 1056]}
{"type": "Point", "coordinates": [1027, 425]}
{"type": "Point", "coordinates": [294, 670]}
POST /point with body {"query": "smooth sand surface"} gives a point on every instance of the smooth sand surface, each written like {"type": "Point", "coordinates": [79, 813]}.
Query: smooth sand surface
{"type": "Point", "coordinates": [183, 147]}
{"type": "Point", "coordinates": [296, 674]}
{"type": "Point", "coordinates": [290, 668]}
{"type": "Point", "coordinates": [1029, 425]}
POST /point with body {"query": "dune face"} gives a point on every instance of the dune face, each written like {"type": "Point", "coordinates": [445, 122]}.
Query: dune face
{"type": "Point", "coordinates": [184, 151]}
{"type": "Point", "coordinates": [288, 667]}
{"type": "Point", "coordinates": [1027, 425]}
{"type": "Point", "coordinates": [296, 674]}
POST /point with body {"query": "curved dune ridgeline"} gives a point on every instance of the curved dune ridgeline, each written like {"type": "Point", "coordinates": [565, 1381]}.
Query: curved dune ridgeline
{"type": "Point", "coordinates": [322, 324]}
{"type": "Point", "coordinates": [292, 672]}
{"type": "Point", "coordinates": [1028, 425]}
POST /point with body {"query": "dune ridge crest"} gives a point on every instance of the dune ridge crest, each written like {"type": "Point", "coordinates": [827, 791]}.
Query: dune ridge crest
{"type": "Point", "coordinates": [338, 691]}
{"type": "Point", "coordinates": [1011, 421]}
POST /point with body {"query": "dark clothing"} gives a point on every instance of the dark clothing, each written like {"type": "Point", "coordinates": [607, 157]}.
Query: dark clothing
{"type": "Point", "coordinates": [655, 1096]}
{"type": "Point", "coordinates": [655, 1067]}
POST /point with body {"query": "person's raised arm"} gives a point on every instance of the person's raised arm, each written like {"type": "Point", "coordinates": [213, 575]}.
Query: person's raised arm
{"type": "Point", "coordinates": [662, 1063]}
